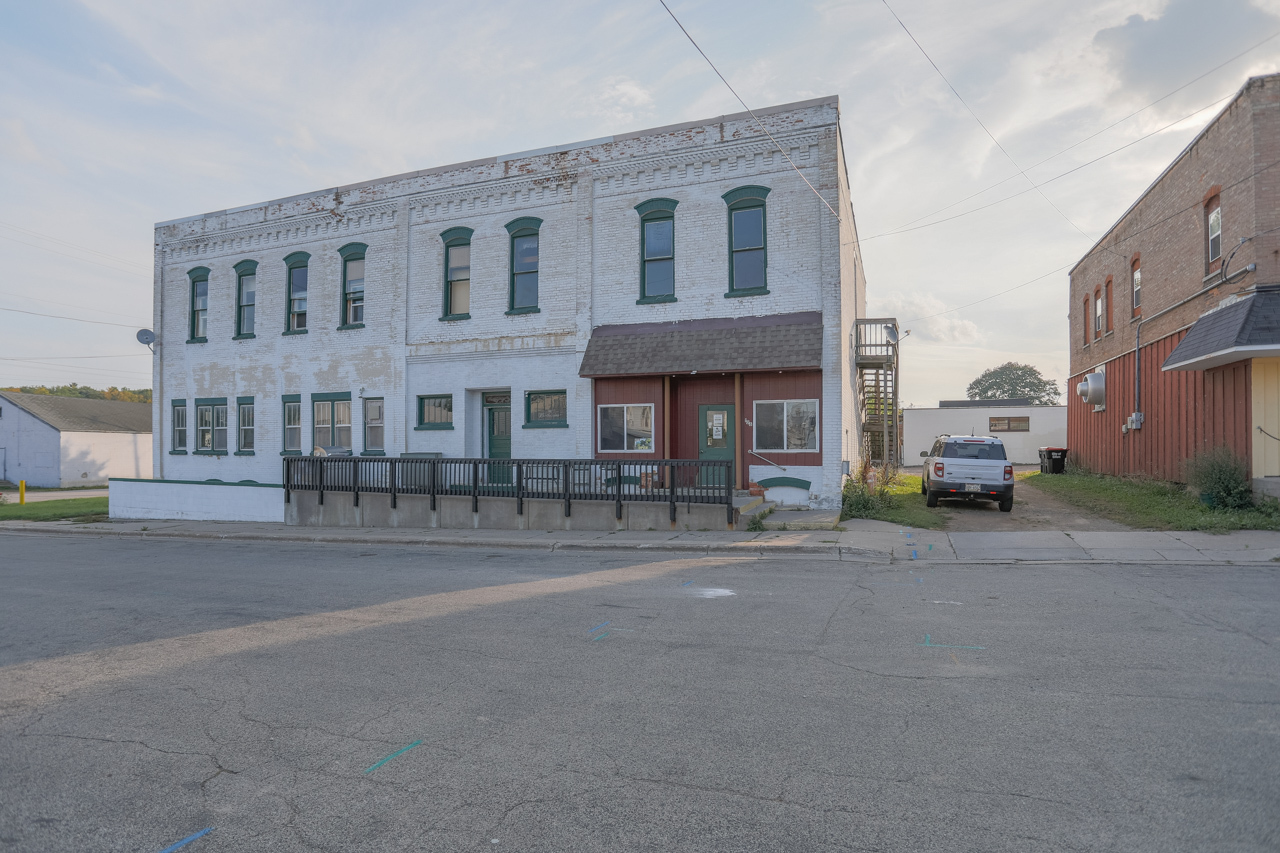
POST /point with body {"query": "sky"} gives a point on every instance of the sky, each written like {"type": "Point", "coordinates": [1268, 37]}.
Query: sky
{"type": "Point", "coordinates": [115, 115]}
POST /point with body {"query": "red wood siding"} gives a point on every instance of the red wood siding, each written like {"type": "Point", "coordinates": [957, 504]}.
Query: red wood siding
{"type": "Point", "coordinates": [792, 385]}
{"type": "Point", "coordinates": [630, 389]}
{"type": "Point", "coordinates": [687, 394]}
{"type": "Point", "coordinates": [1186, 411]}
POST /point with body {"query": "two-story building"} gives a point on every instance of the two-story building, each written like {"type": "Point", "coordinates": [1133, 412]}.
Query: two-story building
{"type": "Point", "coordinates": [1178, 308]}
{"type": "Point", "coordinates": [680, 292]}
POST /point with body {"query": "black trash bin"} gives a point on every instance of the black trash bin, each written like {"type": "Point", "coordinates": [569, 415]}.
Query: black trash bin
{"type": "Point", "coordinates": [1053, 460]}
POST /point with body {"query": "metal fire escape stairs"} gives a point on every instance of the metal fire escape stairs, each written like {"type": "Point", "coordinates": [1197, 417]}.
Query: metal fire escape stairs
{"type": "Point", "coordinates": [875, 356]}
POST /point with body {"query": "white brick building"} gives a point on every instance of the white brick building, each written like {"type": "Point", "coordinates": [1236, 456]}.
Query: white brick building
{"type": "Point", "coordinates": [480, 358]}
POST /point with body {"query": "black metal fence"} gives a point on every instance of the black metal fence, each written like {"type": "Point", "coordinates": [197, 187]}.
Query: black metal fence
{"type": "Point", "coordinates": [671, 481]}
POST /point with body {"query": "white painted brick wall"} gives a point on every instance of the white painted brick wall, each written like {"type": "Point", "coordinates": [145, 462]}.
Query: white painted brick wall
{"type": "Point", "coordinates": [588, 276]}
{"type": "Point", "coordinates": [194, 501]}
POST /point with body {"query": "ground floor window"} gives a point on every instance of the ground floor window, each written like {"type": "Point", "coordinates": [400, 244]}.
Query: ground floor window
{"type": "Point", "coordinates": [374, 424]}
{"type": "Point", "coordinates": [435, 411]}
{"type": "Point", "coordinates": [332, 424]}
{"type": "Point", "coordinates": [211, 428]}
{"type": "Point", "coordinates": [626, 428]}
{"type": "Point", "coordinates": [789, 425]}
{"type": "Point", "coordinates": [293, 426]}
{"type": "Point", "coordinates": [244, 423]}
{"type": "Point", "coordinates": [1009, 424]}
{"type": "Point", "coordinates": [546, 409]}
{"type": "Point", "coordinates": [180, 427]}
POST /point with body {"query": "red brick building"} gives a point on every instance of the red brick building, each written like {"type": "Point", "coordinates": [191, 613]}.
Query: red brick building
{"type": "Point", "coordinates": [1178, 306]}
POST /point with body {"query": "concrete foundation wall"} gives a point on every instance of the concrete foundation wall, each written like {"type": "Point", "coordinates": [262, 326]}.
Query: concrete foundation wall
{"type": "Point", "coordinates": [453, 512]}
{"type": "Point", "coordinates": [195, 501]}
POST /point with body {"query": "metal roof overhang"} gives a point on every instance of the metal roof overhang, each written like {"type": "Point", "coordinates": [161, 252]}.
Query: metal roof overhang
{"type": "Point", "coordinates": [1224, 356]}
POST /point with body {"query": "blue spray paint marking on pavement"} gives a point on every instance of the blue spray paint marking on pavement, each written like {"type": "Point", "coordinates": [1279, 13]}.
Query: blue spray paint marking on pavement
{"type": "Point", "coordinates": [598, 627]}
{"type": "Point", "coordinates": [933, 645]}
{"type": "Point", "coordinates": [913, 554]}
{"type": "Point", "coordinates": [601, 637]}
{"type": "Point", "coordinates": [686, 583]}
{"type": "Point", "coordinates": [908, 535]}
{"type": "Point", "coordinates": [393, 755]}
{"type": "Point", "coordinates": [184, 842]}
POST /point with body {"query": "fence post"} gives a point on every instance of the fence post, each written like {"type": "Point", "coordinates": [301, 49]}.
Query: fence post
{"type": "Point", "coordinates": [394, 473]}
{"type": "Point", "coordinates": [728, 490]}
{"type": "Point", "coordinates": [519, 488]}
{"type": "Point", "coordinates": [285, 477]}
{"type": "Point", "coordinates": [432, 469]}
{"type": "Point", "coordinates": [355, 481]}
{"type": "Point", "coordinates": [565, 478]}
{"type": "Point", "coordinates": [320, 478]}
{"type": "Point", "coordinates": [475, 486]}
{"type": "Point", "coordinates": [618, 487]}
{"type": "Point", "coordinates": [671, 488]}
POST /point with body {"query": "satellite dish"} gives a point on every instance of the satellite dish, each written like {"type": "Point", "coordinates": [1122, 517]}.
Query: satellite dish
{"type": "Point", "coordinates": [891, 333]}
{"type": "Point", "coordinates": [146, 337]}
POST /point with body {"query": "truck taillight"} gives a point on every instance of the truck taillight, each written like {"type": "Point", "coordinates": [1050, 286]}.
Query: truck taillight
{"type": "Point", "coordinates": [937, 469]}
{"type": "Point", "coordinates": [1008, 473]}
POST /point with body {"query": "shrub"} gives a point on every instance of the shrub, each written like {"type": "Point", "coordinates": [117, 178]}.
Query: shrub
{"type": "Point", "coordinates": [1222, 476]}
{"type": "Point", "coordinates": [755, 524]}
{"type": "Point", "coordinates": [863, 500]}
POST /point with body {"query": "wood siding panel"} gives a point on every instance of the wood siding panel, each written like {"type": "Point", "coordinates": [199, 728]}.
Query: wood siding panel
{"type": "Point", "coordinates": [687, 394]}
{"type": "Point", "coordinates": [792, 385]}
{"type": "Point", "coordinates": [630, 389]}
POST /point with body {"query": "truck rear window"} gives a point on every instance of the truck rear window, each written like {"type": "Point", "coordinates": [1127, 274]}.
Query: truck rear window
{"type": "Point", "coordinates": [955, 450]}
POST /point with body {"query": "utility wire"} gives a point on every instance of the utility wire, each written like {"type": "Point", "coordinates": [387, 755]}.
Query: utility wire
{"type": "Point", "coordinates": [77, 357]}
{"type": "Point", "coordinates": [76, 319]}
{"type": "Point", "coordinates": [31, 233]}
{"type": "Point", "coordinates": [65, 255]}
{"type": "Point", "coordinates": [992, 296]}
{"type": "Point", "coordinates": [781, 150]}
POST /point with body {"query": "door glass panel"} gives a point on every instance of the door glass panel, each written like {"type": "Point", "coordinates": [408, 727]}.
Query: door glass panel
{"type": "Point", "coordinates": [717, 429]}
{"type": "Point", "coordinates": [501, 423]}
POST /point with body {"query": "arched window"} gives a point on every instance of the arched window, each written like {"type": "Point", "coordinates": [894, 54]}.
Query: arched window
{"type": "Point", "coordinates": [296, 307]}
{"type": "Point", "coordinates": [457, 274]}
{"type": "Point", "coordinates": [1135, 276]}
{"type": "Point", "coordinates": [199, 310]}
{"type": "Point", "coordinates": [748, 244]}
{"type": "Point", "coordinates": [657, 250]}
{"type": "Point", "coordinates": [523, 293]}
{"type": "Point", "coordinates": [246, 298]}
{"type": "Point", "coordinates": [352, 285]}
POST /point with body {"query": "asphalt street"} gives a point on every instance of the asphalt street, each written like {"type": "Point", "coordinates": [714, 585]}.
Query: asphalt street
{"type": "Point", "coordinates": [292, 696]}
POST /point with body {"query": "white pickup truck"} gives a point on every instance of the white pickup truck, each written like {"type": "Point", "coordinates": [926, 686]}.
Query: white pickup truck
{"type": "Point", "coordinates": [967, 467]}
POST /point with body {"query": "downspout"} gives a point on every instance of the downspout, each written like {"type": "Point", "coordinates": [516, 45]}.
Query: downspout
{"type": "Point", "coordinates": [157, 362]}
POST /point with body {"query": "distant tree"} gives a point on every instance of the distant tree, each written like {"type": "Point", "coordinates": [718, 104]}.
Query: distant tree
{"type": "Point", "coordinates": [1014, 380]}
{"type": "Point", "coordinates": [128, 395]}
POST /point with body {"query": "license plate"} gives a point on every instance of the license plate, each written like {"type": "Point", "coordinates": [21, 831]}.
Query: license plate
{"type": "Point", "coordinates": [973, 487]}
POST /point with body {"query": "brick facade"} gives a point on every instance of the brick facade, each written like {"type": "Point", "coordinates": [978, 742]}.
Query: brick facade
{"type": "Point", "coordinates": [1234, 164]}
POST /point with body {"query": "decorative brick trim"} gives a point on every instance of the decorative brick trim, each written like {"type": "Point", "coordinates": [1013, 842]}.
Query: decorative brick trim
{"type": "Point", "coordinates": [523, 223]}
{"type": "Point", "coordinates": [460, 232]}
{"type": "Point", "coordinates": [742, 193]}
{"type": "Point", "coordinates": [1211, 193]}
{"type": "Point", "coordinates": [656, 204]}
{"type": "Point", "coordinates": [246, 267]}
{"type": "Point", "coordinates": [353, 250]}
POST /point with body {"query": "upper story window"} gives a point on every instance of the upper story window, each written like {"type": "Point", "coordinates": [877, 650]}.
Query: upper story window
{"type": "Point", "coordinates": [748, 245]}
{"type": "Point", "coordinates": [199, 324]}
{"type": "Point", "coordinates": [1085, 315]}
{"type": "Point", "coordinates": [1137, 285]}
{"type": "Point", "coordinates": [657, 250]}
{"type": "Point", "coordinates": [1106, 298]}
{"type": "Point", "coordinates": [1215, 231]}
{"type": "Point", "coordinates": [296, 264]}
{"type": "Point", "coordinates": [246, 297]}
{"type": "Point", "coordinates": [457, 274]}
{"type": "Point", "coordinates": [352, 285]}
{"type": "Point", "coordinates": [1097, 314]}
{"type": "Point", "coordinates": [524, 265]}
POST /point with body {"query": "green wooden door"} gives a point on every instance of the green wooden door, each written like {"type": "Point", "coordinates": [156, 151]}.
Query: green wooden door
{"type": "Point", "coordinates": [499, 418]}
{"type": "Point", "coordinates": [715, 440]}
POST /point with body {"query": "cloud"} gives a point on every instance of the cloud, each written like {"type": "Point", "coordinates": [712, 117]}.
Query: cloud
{"type": "Point", "coordinates": [947, 329]}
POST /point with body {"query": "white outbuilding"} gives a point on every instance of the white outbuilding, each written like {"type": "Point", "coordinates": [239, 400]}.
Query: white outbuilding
{"type": "Point", "coordinates": [1022, 427]}
{"type": "Point", "coordinates": [61, 442]}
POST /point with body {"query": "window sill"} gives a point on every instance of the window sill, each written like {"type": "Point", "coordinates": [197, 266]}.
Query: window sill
{"type": "Point", "coordinates": [656, 300]}
{"type": "Point", "coordinates": [210, 452]}
{"type": "Point", "coordinates": [532, 309]}
{"type": "Point", "coordinates": [177, 453]}
{"type": "Point", "coordinates": [449, 318]}
{"type": "Point", "coordinates": [197, 340]}
{"type": "Point", "coordinates": [345, 326]}
{"type": "Point", "coordinates": [294, 332]}
{"type": "Point", "coordinates": [290, 452]}
{"type": "Point", "coordinates": [373, 453]}
{"type": "Point", "coordinates": [245, 337]}
{"type": "Point", "coordinates": [244, 453]}
{"type": "Point", "coordinates": [625, 451]}
{"type": "Point", "coordinates": [433, 426]}
{"type": "Point", "coordinates": [550, 425]}
{"type": "Point", "coordinates": [747, 291]}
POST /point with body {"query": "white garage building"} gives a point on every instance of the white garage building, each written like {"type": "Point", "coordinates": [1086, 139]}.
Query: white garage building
{"type": "Point", "coordinates": [1022, 427]}
{"type": "Point", "coordinates": [61, 442]}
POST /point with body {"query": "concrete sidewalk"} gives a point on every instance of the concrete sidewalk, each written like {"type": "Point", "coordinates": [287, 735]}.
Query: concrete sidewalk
{"type": "Point", "coordinates": [861, 541]}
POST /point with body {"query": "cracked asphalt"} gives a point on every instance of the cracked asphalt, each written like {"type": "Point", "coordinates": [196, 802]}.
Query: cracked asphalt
{"type": "Point", "coordinates": [150, 689]}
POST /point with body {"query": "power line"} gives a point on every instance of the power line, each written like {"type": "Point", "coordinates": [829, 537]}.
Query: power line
{"type": "Point", "coordinates": [72, 357]}
{"type": "Point", "coordinates": [75, 246]}
{"type": "Point", "coordinates": [76, 319]}
{"type": "Point", "coordinates": [749, 110]}
{"type": "Point", "coordinates": [95, 370]}
{"type": "Point", "coordinates": [992, 296]}
{"type": "Point", "coordinates": [61, 304]}
{"type": "Point", "coordinates": [65, 255]}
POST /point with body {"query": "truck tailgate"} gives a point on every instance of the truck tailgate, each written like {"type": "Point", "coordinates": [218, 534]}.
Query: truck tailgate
{"type": "Point", "coordinates": [974, 470]}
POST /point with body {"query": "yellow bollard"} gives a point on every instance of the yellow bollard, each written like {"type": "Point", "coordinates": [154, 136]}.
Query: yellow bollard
{"type": "Point", "coordinates": [22, 492]}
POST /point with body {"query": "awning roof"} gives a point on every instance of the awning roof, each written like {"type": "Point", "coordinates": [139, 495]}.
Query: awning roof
{"type": "Point", "coordinates": [1248, 327]}
{"type": "Point", "coordinates": [778, 342]}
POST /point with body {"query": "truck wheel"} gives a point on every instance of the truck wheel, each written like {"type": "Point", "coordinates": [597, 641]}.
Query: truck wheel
{"type": "Point", "coordinates": [924, 488]}
{"type": "Point", "coordinates": [1006, 505]}
{"type": "Point", "coordinates": [931, 499]}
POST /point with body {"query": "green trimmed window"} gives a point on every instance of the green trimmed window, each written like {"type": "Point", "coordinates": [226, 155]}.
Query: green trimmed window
{"type": "Point", "coordinates": [657, 250]}
{"type": "Point", "coordinates": [199, 324]}
{"type": "Point", "coordinates": [180, 425]}
{"type": "Point", "coordinates": [748, 245]}
{"type": "Point", "coordinates": [244, 424]}
{"type": "Point", "coordinates": [296, 264]}
{"type": "Point", "coordinates": [435, 411]}
{"type": "Point", "coordinates": [375, 427]}
{"type": "Point", "coordinates": [246, 297]}
{"type": "Point", "coordinates": [546, 409]}
{"type": "Point", "coordinates": [211, 426]}
{"type": "Point", "coordinates": [457, 274]}
{"type": "Point", "coordinates": [331, 423]}
{"type": "Point", "coordinates": [292, 424]}
{"type": "Point", "coordinates": [523, 293]}
{"type": "Point", "coordinates": [352, 285]}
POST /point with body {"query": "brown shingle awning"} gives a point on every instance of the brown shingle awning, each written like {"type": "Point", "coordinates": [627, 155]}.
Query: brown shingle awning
{"type": "Point", "coordinates": [778, 342]}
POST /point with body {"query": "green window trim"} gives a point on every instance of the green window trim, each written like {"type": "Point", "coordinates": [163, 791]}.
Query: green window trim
{"type": "Point", "coordinates": [209, 453]}
{"type": "Point", "coordinates": [421, 427]}
{"type": "Point", "coordinates": [524, 223]}
{"type": "Point", "coordinates": [197, 340]}
{"type": "Point", "coordinates": [373, 453]}
{"type": "Point", "coordinates": [244, 401]}
{"type": "Point", "coordinates": [297, 259]}
{"type": "Point", "coordinates": [530, 423]}
{"type": "Point", "coordinates": [285, 401]}
{"type": "Point", "coordinates": [454, 238]}
{"type": "Point", "coordinates": [244, 269]}
{"type": "Point", "coordinates": [653, 211]}
{"type": "Point", "coordinates": [177, 453]}
{"type": "Point", "coordinates": [743, 199]}
{"type": "Point", "coordinates": [331, 397]}
{"type": "Point", "coordinates": [656, 300]}
{"type": "Point", "coordinates": [241, 449]}
{"type": "Point", "coordinates": [348, 326]}
{"type": "Point", "coordinates": [212, 403]}
{"type": "Point", "coordinates": [353, 251]}
{"type": "Point", "coordinates": [367, 447]}
{"type": "Point", "coordinates": [350, 252]}
{"type": "Point", "coordinates": [449, 318]}
{"type": "Point", "coordinates": [459, 232]}
{"type": "Point", "coordinates": [244, 453]}
{"type": "Point", "coordinates": [294, 261]}
{"type": "Point", "coordinates": [198, 317]}
{"type": "Point", "coordinates": [247, 337]}
{"type": "Point", "coordinates": [524, 226]}
{"type": "Point", "coordinates": [530, 309]}
{"type": "Point", "coordinates": [293, 332]}
{"type": "Point", "coordinates": [654, 205]}
{"type": "Point", "coordinates": [174, 405]}
{"type": "Point", "coordinates": [423, 424]}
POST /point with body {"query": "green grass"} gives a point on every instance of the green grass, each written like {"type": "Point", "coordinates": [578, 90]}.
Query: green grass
{"type": "Point", "coordinates": [1149, 504]}
{"type": "Point", "coordinates": [85, 509]}
{"type": "Point", "coordinates": [906, 506]}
